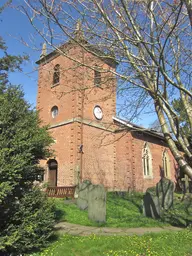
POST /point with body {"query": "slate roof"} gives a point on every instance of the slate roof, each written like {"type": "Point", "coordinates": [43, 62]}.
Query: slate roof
{"type": "Point", "coordinates": [133, 127]}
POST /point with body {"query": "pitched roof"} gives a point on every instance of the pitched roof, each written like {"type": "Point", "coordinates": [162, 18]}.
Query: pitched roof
{"type": "Point", "coordinates": [133, 127]}
{"type": "Point", "coordinates": [81, 43]}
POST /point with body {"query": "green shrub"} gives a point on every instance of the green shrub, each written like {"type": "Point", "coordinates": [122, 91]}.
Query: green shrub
{"type": "Point", "coordinates": [26, 216]}
{"type": "Point", "coordinates": [30, 226]}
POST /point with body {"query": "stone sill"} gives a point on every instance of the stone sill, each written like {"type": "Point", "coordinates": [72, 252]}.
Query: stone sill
{"type": "Point", "coordinates": [148, 177]}
{"type": "Point", "coordinates": [54, 85]}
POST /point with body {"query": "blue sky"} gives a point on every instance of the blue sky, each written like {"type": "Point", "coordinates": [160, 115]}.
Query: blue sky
{"type": "Point", "coordinates": [13, 27]}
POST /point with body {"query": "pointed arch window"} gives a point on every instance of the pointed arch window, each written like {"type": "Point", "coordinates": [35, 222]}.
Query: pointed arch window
{"type": "Point", "coordinates": [147, 161]}
{"type": "Point", "coordinates": [56, 74]}
{"type": "Point", "coordinates": [166, 164]}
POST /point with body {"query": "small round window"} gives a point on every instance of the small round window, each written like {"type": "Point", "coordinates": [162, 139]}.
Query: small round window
{"type": "Point", "coordinates": [54, 111]}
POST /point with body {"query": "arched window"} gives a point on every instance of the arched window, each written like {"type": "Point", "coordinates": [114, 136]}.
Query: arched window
{"type": "Point", "coordinates": [97, 77]}
{"type": "Point", "coordinates": [56, 74]}
{"type": "Point", "coordinates": [54, 111]}
{"type": "Point", "coordinates": [147, 160]}
{"type": "Point", "coordinates": [52, 175]}
{"type": "Point", "coordinates": [166, 164]}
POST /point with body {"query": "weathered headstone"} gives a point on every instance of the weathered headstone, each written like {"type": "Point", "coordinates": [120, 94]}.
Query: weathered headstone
{"type": "Point", "coordinates": [165, 190]}
{"type": "Point", "coordinates": [159, 198]}
{"type": "Point", "coordinates": [186, 184]}
{"type": "Point", "coordinates": [82, 194]}
{"type": "Point", "coordinates": [151, 205]}
{"type": "Point", "coordinates": [97, 203]}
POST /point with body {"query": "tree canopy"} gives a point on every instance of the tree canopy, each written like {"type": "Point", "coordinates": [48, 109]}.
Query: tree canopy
{"type": "Point", "coordinates": [26, 216]}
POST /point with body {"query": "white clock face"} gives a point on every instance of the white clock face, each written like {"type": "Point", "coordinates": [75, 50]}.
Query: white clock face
{"type": "Point", "coordinates": [98, 112]}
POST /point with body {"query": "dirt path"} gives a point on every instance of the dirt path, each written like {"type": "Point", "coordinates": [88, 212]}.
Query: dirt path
{"type": "Point", "coordinates": [74, 229]}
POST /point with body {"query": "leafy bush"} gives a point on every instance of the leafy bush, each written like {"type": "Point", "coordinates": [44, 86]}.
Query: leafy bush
{"type": "Point", "coordinates": [31, 225]}
{"type": "Point", "coordinates": [26, 216]}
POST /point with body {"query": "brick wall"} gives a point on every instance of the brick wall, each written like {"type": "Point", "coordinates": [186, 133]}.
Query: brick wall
{"type": "Point", "coordinates": [98, 156]}
{"type": "Point", "coordinates": [129, 161]}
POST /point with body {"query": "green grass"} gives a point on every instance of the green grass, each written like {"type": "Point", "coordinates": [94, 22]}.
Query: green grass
{"type": "Point", "coordinates": [162, 244]}
{"type": "Point", "coordinates": [121, 212]}
{"type": "Point", "coordinates": [181, 213]}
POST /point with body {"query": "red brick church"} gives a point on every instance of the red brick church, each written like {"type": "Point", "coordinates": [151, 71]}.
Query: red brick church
{"type": "Point", "coordinates": [77, 98]}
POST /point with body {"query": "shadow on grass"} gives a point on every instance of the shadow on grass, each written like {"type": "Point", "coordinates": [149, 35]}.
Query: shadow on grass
{"type": "Point", "coordinates": [124, 209]}
{"type": "Point", "coordinates": [139, 206]}
{"type": "Point", "coordinates": [180, 214]}
{"type": "Point", "coordinates": [134, 198]}
{"type": "Point", "coordinates": [59, 215]}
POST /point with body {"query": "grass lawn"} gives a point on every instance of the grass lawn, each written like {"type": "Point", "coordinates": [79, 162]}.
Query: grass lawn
{"type": "Point", "coordinates": [181, 213]}
{"type": "Point", "coordinates": [121, 212]}
{"type": "Point", "coordinates": [162, 244]}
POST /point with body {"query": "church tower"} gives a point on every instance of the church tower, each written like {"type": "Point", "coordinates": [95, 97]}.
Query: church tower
{"type": "Point", "coordinates": [77, 99]}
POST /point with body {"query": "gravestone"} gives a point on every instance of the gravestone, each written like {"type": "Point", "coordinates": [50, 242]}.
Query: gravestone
{"type": "Point", "coordinates": [159, 198]}
{"type": "Point", "coordinates": [151, 205]}
{"type": "Point", "coordinates": [165, 190]}
{"type": "Point", "coordinates": [97, 203]}
{"type": "Point", "coordinates": [81, 194]}
{"type": "Point", "coordinates": [186, 184]}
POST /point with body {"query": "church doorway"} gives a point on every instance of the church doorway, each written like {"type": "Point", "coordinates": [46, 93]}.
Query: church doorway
{"type": "Point", "coordinates": [52, 172]}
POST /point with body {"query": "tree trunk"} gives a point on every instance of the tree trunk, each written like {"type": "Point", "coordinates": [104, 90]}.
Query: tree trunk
{"type": "Point", "coordinates": [185, 167]}
{"type": "Point", "coordinates": [188, 4]}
